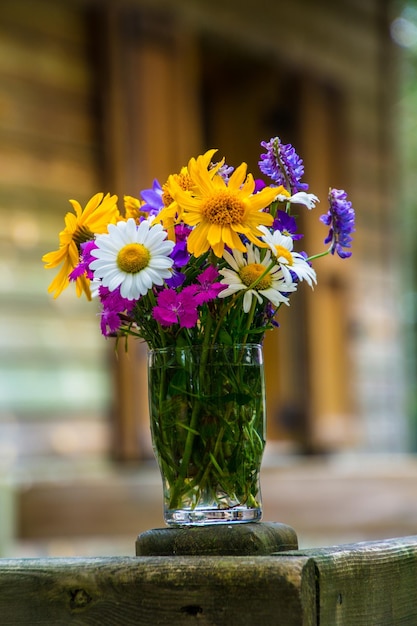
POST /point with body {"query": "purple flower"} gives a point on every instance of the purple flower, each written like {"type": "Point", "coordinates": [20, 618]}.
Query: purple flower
{"type": "Point", "coordinates": [259, 184]}
{"type": "Point", "coordinates": [179, 254]}
{"type": "Point", "coordinates": [153, 199]}
{"type": "Point", "coordinates": [177, 279]}
{"type": "Point", "coordinates": [177, 308]}
{"type": "Point", "coordinates": [208, 288]}
{"type": "Point", "coordinates": [269, 315]}
{"type": "Point", "coordinates": [225, 171]}
{"type": "Point", "coordinates": [287, 224]}
{"type": "Point", "coordinates": [341, 219]}
{"type": "Point", "coordinates": [283, 165]}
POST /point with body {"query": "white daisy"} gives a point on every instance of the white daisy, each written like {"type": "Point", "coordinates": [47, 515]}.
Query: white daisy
{"type": "Point", "coordinates": [246, 269]}
{"type": "Point", "coordinates": [132, 257]}
{"type": "Point", "coordinates": [289, 261]}
{"type": "Point", "coordinates": [301, 197]}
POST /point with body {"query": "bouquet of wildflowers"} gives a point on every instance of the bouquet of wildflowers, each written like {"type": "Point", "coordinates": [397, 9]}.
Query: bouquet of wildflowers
{"type": "Point", "coordinates": [207, 257]}
{"type": "Point", "coordinates": [203, 261]}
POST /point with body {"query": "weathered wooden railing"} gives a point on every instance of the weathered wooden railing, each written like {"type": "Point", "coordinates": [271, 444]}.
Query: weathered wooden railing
{"type": "Point", "coordinates": [369, 583]}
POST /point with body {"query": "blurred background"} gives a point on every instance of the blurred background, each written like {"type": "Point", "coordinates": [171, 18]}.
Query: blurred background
{"type": "Point", "coordinates": [108, 95]}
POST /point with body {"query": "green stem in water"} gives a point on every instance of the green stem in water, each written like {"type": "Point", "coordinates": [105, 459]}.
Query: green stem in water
{"type": "Point", "coordinates": [178, 486]}
{"type": "Point", "coordinates": [249, 319]}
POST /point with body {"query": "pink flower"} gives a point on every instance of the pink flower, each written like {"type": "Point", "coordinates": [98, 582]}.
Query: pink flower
{"type": "Point", "coordinates": [177, 308]}
{"type": "Point", "coordinates": [208, 288]}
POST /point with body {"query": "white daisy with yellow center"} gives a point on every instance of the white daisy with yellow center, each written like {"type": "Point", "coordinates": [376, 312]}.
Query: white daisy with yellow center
{"type": "Point", "coordinates": [132, 257]}
{"type": "Point", "coordinates": [258, 278]}
{"type": "Point", "coordinates": [289, 261]}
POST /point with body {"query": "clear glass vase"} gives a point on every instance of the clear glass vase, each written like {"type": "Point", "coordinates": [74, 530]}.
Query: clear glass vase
{"type": "Point", "coordinates": [207, 411]}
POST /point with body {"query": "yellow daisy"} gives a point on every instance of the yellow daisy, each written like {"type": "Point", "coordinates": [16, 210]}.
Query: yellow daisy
{"type": "Point", "coordinates": [172, 213]}
{"type": "Point", "coordinates": [99, 212]}
{"type": "Point", "coordinates": [133, 208]}
{"type": "Point", "coordinates": [220, 211]}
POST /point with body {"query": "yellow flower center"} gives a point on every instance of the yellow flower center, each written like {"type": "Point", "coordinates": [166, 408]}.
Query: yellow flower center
{"type": "Point", "coordinates": [281, 251]}
{"type": "Point", "coordinates": [250, 273]}
{"type": "Point", "coordinates": [167, 199]}
{"type": "Point", "coordinates": [133, 258]}
{"type": "Point", "coordinates": [81, 235]}
{"type": "Point", "coordinates": [185, 181]}
{"type": "Point", "coordinates": [223, 208]}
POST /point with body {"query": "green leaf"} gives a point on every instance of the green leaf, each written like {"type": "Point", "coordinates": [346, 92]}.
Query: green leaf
{"type": "Point", "coordinates": [225, 337]}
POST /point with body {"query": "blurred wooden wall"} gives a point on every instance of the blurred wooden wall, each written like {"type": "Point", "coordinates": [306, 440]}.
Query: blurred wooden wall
{"type": "Point", "coordinates": [323, 78]}
{"type": "Point", "coordinates": [105, 96]}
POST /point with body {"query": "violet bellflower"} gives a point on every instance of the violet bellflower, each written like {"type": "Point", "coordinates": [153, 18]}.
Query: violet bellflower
{"type": "Point", "coordinates": [153, 198]}
{"type": "Point", "coordinates": [283, 165]}
{"type": "Point", "coordinates": [177, 279]}
{"type": "Point", "coordinates": [341, 219]}
{"type": "Point", "coordinates": [180, 256]}
{"type": "Point", "coordinates": [259, 184]}
{"type": "Point", "coordinates": [287, 224]}
{"type": "Point", "coordinates": [180, 253]}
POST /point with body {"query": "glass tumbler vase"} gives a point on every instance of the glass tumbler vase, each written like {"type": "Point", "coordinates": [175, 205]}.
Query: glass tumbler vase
{"type": "Point", "coordinates": [207, 412]}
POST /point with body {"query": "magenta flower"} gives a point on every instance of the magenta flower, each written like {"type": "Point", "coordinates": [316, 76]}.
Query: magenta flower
{"type": "Point", "coordinates": [113, 305]}
{"type": "Point", "coordinates": [85, 260]}
{"type": "Point", "coordinates": [177, 308]}
{"type": "Point", "coordinates": [208, 288]}
{"type": "Point", "coordinates": [109, 323]}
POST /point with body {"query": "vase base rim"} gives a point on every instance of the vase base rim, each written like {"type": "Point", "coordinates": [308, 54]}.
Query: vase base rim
{"type": "Point", "coordinates": [201, 517]}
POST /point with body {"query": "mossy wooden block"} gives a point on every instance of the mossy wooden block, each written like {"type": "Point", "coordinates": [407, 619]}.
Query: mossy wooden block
{"type": "Point", "coordinates": [250, 539]}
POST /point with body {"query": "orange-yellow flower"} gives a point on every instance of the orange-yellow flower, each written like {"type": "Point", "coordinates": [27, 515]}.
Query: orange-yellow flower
{"type": "Point", "coordinates": [220, 212]}
{"type": "Point", "coordinates": [99, 212]}
{"type": "Point", "coordinates": [172, 212]}
{"type": "Point", "coordinates": [133, 208]}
